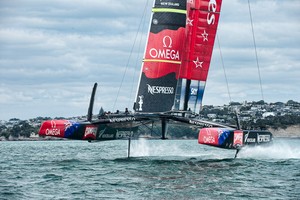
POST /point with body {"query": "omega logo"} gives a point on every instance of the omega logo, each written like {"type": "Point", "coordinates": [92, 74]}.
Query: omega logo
{"type": "Point", "coordinates": [167, 52]}
{"type": "Point", "coordinates": [167, 39]}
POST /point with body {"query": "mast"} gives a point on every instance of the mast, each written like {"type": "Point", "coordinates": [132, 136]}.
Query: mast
{"type": "Point", "coordinates": [186, 94]}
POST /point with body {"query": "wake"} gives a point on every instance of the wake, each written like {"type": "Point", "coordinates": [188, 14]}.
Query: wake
{"type": "Point", "coordinates": [177, 148]}
{"type": "Point", "coordinates": [280, 149]}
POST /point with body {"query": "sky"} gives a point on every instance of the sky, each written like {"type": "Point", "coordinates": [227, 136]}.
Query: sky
{"type": "Point", "coordinates": [52, 52]}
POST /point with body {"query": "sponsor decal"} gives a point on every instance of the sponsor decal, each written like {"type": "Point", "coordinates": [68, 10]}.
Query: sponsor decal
{"type": "Point", "coordinates": [223, 134]}
{"type": "Point", "coordinates": [246, 136]}
{"type": "Point", "coordinates": [90, 131]}
{"type": "Point", "coordinates": [121, 119]}
{"type": "Point", "coordinates": [167, 42]}
{"type": "Point", "coordinates": [124, 134]}
{"type": "Point", "coordinates": [209, 136]}
{"type": "Point", "coordinates": [103, 135]}
{"type": "Point", "coordinates": [160, 90]}
{"type": "Point", "coordinates": [167, 52]}
{"type": "Point", "coordinates": [237, 138]}
{"type": "Point", "coordinates": [108, 136]}
{"type": "Point", "coordinates": [263, 138]}
{"type": "Point", "coordinates": [209, 139]}
{"type": "Point", "coordinates": [164, 3]}
{"type": "Point", "coordinates": [200, 123]}
{"type": "Point", "coordinates": [70, 128]}
{"type": "Point", "coordinates": [212, 7]}
{"type": "Point", "coordinates": [53, 131]}
{"type": "Point", "coordinates": [193, 91]}
{"type": "Point", "coordinates": [251, 140]}
{"type": "Point", "coordinates": [141, 103]}
{"type": "Point", "coordinates": [68, 124]}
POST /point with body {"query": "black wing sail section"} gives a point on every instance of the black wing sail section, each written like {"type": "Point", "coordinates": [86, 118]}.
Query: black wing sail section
{"type": "Point", "coordinates": [162, 59]}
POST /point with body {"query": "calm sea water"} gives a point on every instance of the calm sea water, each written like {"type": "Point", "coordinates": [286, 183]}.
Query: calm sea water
{"type": "Point", "coordinates": [172, 169]}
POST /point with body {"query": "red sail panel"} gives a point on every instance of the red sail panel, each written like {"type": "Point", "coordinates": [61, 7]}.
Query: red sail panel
{"type": "Point", "coordinates": [208, 5]}
{"type": "Point", "coordinates": [163, 53]}
{"type": "Point", "coordinates": [202, 22]}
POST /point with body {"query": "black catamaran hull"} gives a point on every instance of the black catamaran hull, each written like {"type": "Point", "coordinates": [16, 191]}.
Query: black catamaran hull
{"type": "Point", "coordinates": [112, 127]}
{"type": "Point", "coordinates": [233, 139]}
{"type": "Point", "coordinates": [125, 126]}
{"type": "Point", "coordinates": [104, 129]}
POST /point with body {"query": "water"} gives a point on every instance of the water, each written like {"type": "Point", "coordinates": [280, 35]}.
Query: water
{"type": "Point", "coordinates": [157, 170]}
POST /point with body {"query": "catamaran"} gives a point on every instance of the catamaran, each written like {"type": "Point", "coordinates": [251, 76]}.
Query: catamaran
{"type": "Point", "coordinates": [171, 84]}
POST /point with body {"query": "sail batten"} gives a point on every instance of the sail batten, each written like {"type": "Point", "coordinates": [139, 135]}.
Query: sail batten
{"type": "Point", "coordinates": [155, 10]}
{"type": "Point", "coordinates": [164, 61]}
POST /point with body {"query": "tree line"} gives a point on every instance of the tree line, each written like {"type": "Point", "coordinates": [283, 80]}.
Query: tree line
{"type": "Point", "coordinates": [20, 129]}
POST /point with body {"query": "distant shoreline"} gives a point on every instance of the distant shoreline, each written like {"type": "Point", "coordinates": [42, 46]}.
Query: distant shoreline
{"type": "Point", "coordinates": [276, 134]}
{"type": "Point", "coordinates": [290, 132]}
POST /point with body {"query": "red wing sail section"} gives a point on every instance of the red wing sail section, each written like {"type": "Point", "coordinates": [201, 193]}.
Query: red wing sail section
{"type": "Point", "coordinates": [201, 28]}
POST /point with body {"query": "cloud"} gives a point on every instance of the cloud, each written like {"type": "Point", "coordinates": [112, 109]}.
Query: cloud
{"type": "Point", "coordinates": [277, 35]}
